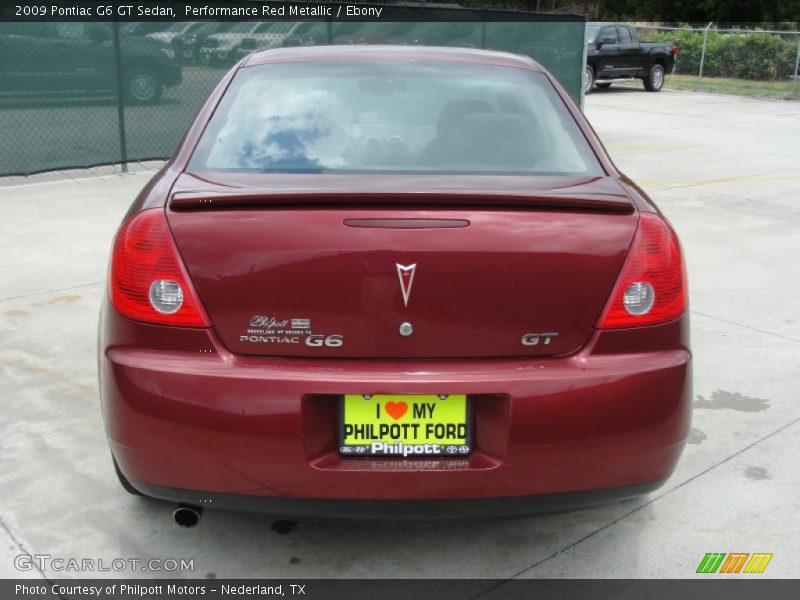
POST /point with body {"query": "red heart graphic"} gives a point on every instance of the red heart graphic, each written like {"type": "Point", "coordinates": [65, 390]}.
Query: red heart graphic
{"type": "Point", "coordinates": [396, 409]}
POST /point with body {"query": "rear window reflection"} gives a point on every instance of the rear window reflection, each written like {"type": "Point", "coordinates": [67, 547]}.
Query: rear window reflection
{"type": "Point", "coordinates": [387, 116]}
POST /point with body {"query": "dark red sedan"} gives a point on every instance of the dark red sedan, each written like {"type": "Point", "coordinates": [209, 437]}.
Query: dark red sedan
{"type": "Point", "coordinates": [399, 282]}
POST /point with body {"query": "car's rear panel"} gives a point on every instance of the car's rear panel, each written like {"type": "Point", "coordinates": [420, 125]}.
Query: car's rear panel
{"type": "Point", "coordinates": [198, 410]}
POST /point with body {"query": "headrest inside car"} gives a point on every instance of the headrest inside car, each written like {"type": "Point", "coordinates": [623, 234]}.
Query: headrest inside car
{"type": "Point", "coordinates": [499, 139]}
{"type": "Point", "coordinates": [454, 111]}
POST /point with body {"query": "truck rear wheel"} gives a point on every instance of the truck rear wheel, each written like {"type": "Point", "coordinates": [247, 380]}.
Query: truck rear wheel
{"type": "Point", "coordinates": [655, 78]}
{"type": "Point", "coordinates": [588, 79]}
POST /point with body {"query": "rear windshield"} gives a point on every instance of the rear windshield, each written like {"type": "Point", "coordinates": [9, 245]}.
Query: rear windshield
{"type": "Point", "coordinates": [393, 117]}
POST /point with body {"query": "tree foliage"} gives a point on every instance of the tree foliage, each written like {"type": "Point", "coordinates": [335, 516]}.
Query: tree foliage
{"type": "Point", "coordinates": [698, 11]}
{"type": "Point", "coordinates": [761, 56]}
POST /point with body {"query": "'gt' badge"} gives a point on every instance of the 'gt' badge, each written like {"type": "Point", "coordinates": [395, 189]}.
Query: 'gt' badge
{"type": "Point", "coordinates": [406, 276]}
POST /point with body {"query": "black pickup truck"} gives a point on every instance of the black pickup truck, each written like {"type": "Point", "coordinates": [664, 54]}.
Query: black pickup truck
{"type": "Point", "coordinates": [614, 53]}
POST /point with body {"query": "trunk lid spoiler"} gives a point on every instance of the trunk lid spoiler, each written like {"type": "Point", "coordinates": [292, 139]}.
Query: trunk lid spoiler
{"type": "Point", "coordinates": [195, 192]}
{"type": "Point", "coordinates": [489, 199]}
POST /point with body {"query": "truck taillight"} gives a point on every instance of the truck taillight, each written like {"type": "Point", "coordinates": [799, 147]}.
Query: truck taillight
{"type": "Point", "coordinates": [651, 287]}
{"type": "Point", "coordinates": [147, 279]}
{"type": "Point", "coordinates": [673, 50]}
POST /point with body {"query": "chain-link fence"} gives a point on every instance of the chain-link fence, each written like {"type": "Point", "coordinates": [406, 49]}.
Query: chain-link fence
{"type": "Point", "coordinates": [752, 62]}
{"type": "Point", "coordinates": [77, 94]}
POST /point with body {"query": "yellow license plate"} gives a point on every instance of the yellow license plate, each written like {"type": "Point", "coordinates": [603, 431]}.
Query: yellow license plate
{"type": "Point", "coordinates": [405, 425]}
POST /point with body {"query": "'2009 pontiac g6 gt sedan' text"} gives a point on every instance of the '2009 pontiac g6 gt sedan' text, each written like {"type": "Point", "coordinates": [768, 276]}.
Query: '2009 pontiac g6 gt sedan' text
{"type": "Point", "coordinates": [401, 282]}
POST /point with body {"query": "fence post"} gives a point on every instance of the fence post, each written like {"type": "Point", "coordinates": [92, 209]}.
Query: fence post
{"type": "Point", "coordinates": [703, 57]}
{"type": "Point", "coordinates": [123, 145]}
{"type": "Point", "coordinates": [796, 62]}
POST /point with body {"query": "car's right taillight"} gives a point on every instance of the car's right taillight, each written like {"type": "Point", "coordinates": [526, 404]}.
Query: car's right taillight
{"type": "Point", "coordinates": [651, 287]}
{"type": "Point", "coordinates": [147, 279]}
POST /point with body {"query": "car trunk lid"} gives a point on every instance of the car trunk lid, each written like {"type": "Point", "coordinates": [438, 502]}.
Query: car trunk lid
{"type": "Point", "coordinates": [284, 270]}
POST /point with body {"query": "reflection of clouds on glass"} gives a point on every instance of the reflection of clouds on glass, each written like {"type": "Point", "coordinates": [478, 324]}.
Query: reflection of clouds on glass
{"type": "Point", "coordinates": [394, 117]}
{"type": "Point", "coordinates": [293, 130]}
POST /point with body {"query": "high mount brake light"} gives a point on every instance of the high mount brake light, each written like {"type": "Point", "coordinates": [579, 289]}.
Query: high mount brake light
{"type": "Point", "coordinates": [651, 287]}
{"type": "Point", "coordinates": [148, 281]}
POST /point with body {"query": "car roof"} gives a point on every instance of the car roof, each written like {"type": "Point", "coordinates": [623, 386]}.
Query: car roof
{"type": "Point", "coordinates": [391, 52]}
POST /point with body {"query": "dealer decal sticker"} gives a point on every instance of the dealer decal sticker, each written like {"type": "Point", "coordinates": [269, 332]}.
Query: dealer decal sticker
{"type": "Point", "coordinates": [295, 330]}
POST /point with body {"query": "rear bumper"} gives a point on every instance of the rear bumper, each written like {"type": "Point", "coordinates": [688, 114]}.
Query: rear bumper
{"type": "Point", "coordinates": [183, 414]}
{"type": "Point", "coordinates": [401, 510]}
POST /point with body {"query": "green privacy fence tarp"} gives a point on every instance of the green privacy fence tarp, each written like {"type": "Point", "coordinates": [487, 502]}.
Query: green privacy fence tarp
{"type": "Point", "coordinates": [78, 94]}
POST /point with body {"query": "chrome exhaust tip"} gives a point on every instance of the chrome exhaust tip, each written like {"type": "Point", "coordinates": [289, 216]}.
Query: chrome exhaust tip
{"type": "Point", "coordinates": [187, 515]}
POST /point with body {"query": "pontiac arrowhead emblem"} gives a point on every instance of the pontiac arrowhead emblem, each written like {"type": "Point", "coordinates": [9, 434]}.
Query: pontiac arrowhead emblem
{"type": "Point", "coordinates": [406, 276]}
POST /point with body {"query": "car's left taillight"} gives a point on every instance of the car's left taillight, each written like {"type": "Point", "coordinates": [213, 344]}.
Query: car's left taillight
{"type": "Point", "coordinates": [148, 281]}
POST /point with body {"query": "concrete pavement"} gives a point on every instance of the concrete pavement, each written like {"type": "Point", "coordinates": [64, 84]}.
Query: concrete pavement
{"type": "Point", "coordinates": [724, 170]}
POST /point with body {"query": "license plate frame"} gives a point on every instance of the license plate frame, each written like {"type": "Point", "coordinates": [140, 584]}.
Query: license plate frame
{"type": "Point", "coordinates": [410, 446]}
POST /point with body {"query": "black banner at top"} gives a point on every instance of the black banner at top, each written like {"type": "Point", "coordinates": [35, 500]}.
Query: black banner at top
{"type": "Point", "coordinates": [250, 10]}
